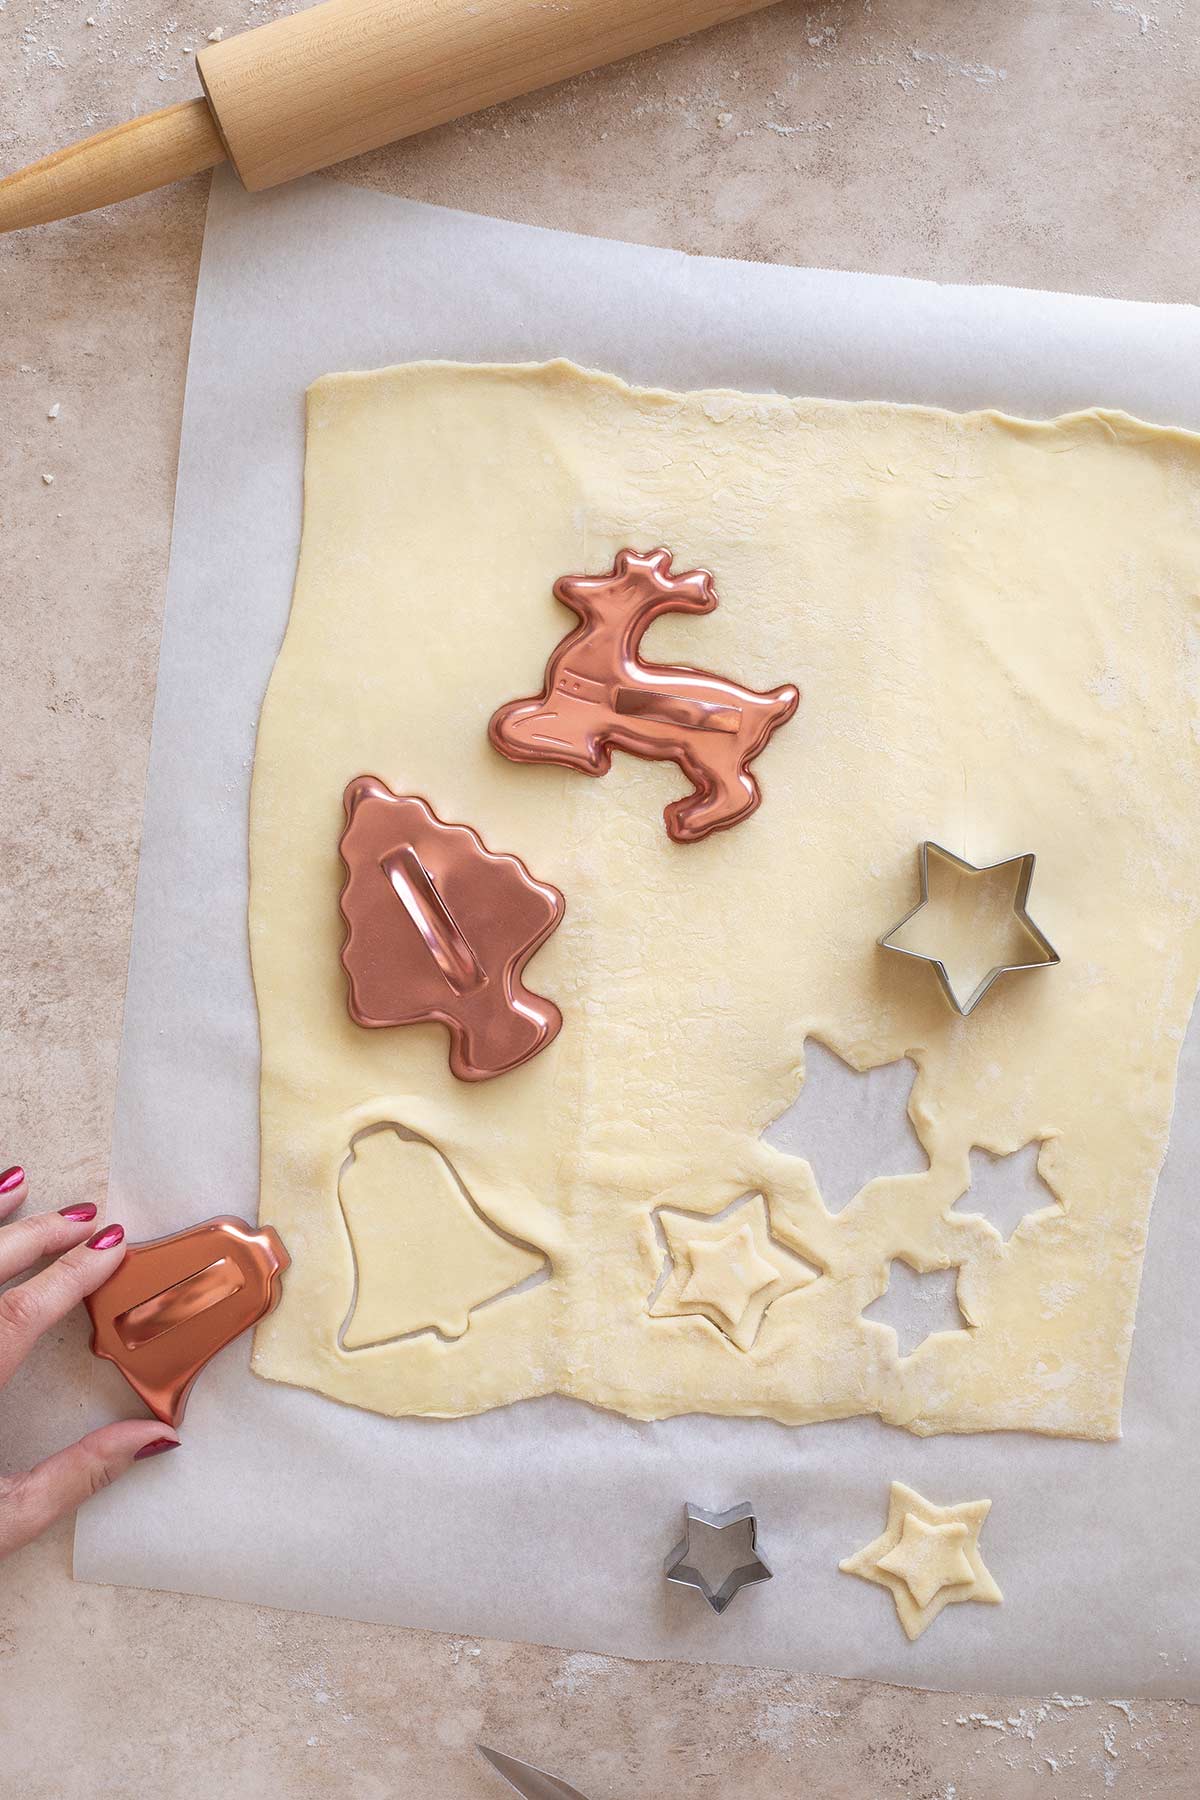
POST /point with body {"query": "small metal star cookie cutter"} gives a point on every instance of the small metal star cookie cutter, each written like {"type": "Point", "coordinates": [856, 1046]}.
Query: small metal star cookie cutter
{"type": "Point", "coordinates": [1047, 960]}
{"type": "Point", "coordinates": [683, 1565]}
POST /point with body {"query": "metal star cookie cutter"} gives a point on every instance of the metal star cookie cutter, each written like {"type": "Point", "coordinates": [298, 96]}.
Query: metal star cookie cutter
{"type": "Point", "coordinates": [683, 1565]}
{"type": "Point", "coordinates": [1026, 865]}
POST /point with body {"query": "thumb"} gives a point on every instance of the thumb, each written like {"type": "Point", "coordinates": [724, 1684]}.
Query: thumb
{"type": "Point", "coordinates": [31, 1501]}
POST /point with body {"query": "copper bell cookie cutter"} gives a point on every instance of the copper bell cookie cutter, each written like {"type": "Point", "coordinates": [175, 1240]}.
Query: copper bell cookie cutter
{"type": "Point", "coordinates": [176, 1301]}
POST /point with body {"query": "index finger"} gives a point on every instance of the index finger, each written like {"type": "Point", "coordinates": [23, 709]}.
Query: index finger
{"type": "Point", "coordinates": [14, 1190]}
{"type": "Point", "coordinates": [34, 1305]}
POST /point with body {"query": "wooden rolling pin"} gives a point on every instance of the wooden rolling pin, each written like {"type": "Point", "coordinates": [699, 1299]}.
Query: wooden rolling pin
{"type": "Point", "coordinates": [344, 77]}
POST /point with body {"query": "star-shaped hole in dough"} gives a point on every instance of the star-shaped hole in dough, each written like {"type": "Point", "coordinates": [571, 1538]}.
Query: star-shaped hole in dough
{"type": "Point", "coordinates": [1007, 1189]}
{"type": "Point", "coordinates": [727, 1269]}
{"type": "Point", "coordinates": [915, 1305]}
{"type": "Point", "coordinates": [928, 1557]}
{"type": "Point", "coordinates": [849, 1125]}
{"type": "Point", "coordinates": [972, 924]}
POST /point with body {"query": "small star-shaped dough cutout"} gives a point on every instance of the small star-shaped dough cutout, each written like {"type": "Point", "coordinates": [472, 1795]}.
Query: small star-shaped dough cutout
{"type": "Point", "coordinates": [727, 1273]}
{"type": "Point", "coordinates": [729, 1270]}
{"type": "Point", "coordinates": [971, 924]}
{"type": "Point", "coordinates": [928, 1557]}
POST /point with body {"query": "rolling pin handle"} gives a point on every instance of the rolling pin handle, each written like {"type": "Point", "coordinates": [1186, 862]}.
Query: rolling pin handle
{"type": "Point", "coordinates": [113, 165]}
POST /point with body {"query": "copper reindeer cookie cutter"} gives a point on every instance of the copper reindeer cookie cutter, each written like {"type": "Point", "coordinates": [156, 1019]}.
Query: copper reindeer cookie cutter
{"type": "Point", "coordinates": [175, 1301]}
{"type": "Point", "coordinates": [439, 927]}
{"type": "Point", "coordinates": [600, 696]}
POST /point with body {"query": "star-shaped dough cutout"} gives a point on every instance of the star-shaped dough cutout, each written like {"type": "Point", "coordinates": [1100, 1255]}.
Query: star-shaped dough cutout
{"type": "Point", "coordinates": [972, 924]}
{"type": "Point", "coordinates": [727, 1272]}
{"type": "Point", "coordinates": [928, 1556]}
{"type": "Point", "coordinates": [728, 1269]}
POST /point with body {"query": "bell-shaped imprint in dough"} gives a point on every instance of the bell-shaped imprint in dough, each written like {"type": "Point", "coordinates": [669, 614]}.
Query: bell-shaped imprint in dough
{"type": "Point", "coordinates": [726, 1267]}
{"type": "Point", "coordinates": [425, 1256]}
{"type": "Point", "coordinates": [850, 1125]}
{"type": "Point", "coordinates": [915, 1305]}
{"type": "Point", "coordinates": [1005, 1190]}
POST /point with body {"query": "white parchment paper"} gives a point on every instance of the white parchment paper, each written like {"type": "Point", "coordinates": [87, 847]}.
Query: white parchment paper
{"type": "Point", "coordinates": [549, 1521]}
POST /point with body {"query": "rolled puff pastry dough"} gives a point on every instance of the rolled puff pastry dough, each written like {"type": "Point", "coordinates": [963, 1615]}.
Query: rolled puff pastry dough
{"type": "Point", "coordinates": [994, 627]}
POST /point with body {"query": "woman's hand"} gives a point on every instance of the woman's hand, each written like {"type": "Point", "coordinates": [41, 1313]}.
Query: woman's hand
{"type": "Point", "coordinates": [31, 1501]}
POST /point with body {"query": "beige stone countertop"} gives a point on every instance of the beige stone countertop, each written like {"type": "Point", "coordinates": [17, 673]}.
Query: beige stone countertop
{"type": "Point", "coordinates": [1049, 143]}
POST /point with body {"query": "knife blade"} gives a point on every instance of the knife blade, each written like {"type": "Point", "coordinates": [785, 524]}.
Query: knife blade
{"type": "Point", "coordinates": [531, 1783]}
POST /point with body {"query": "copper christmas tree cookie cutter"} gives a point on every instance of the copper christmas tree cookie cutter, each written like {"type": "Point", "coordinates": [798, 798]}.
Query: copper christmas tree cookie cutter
{"type": "Point", "coordinates": [439, 927]}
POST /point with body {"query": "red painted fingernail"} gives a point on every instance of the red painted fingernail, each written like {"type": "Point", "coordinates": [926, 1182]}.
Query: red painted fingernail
{"type": "Point", "coordinates": [108, 1239]}
{"type": "Point", "coordinates": [156, 1448]}
{"type": "Point", "coordinates": [78, 1214]}
{"type": "Point", "coordinates": [11, 1179]}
